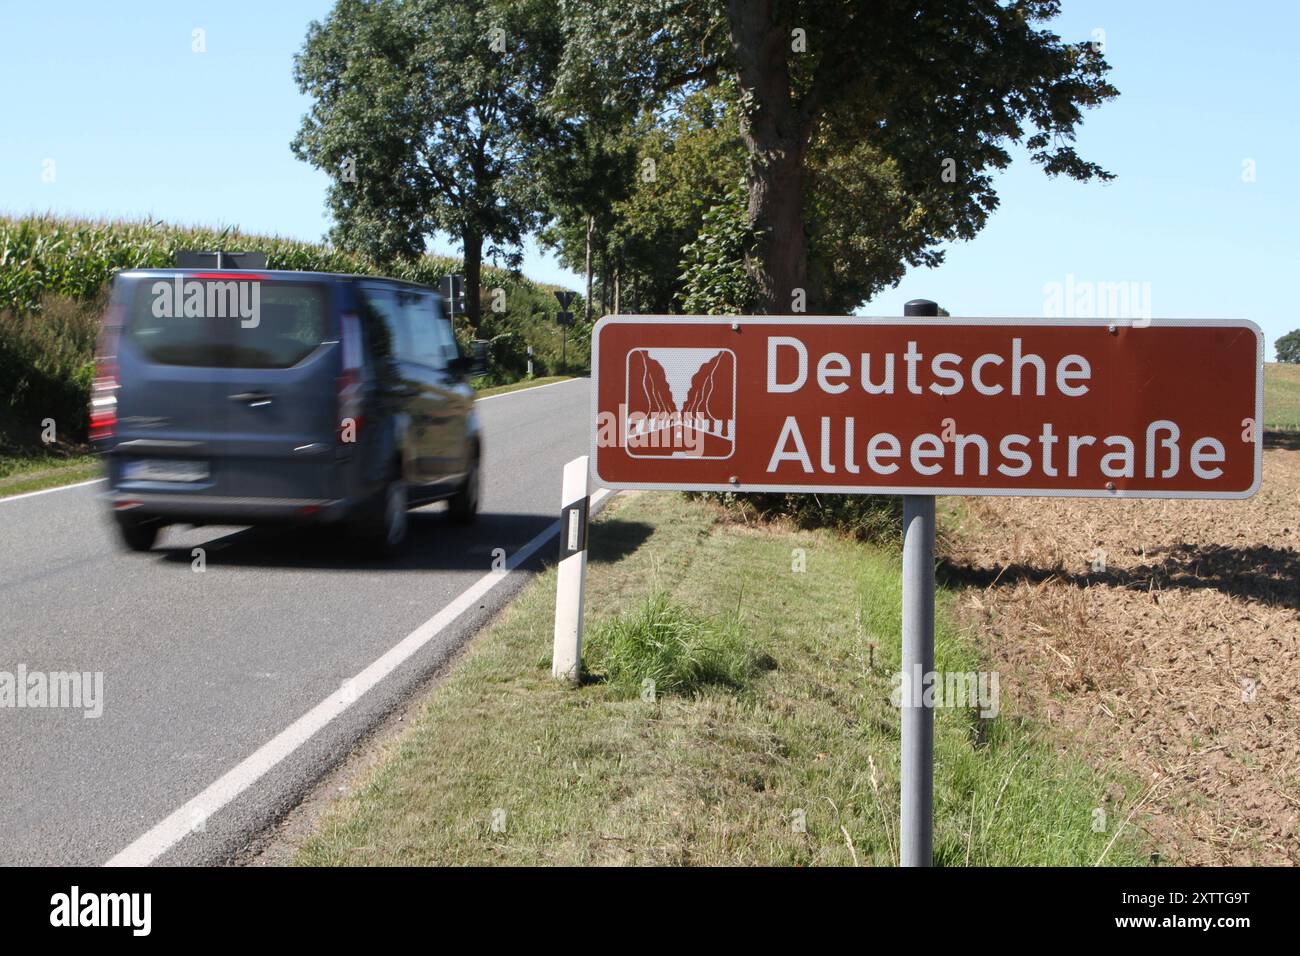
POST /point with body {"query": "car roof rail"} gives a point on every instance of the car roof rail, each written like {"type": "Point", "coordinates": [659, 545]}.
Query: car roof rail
{"type": "Point", "coordinates": [186, 259]}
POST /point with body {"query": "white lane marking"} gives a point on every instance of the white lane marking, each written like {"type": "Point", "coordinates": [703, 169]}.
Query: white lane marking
{"type": "Point", "coordinates": [172, 830]}
{"type": "Point", "coordinates": [531, 388]}
{"type": "Point", "coordinates": [46, 491]}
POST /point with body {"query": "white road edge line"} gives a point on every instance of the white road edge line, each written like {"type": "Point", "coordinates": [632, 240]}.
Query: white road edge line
{"type": "Point", "coordinates": [79, 484]}
{"type": "Point", "coordinates": [181, 823]}
{"type": "Point", "coordinates": [532, 388]}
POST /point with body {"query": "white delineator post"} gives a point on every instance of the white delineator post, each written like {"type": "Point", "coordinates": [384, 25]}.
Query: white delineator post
{"type": "Point", "coordinates": [571, 576]}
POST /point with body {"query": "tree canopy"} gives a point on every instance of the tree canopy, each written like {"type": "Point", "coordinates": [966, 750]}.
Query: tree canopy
{"type": "Point", "coordinates": [426, 113]}
{"type": "Point", "coordinates": [1288, 347]}
{"type": "Point", "coordinates": [870, 130]}
{"type": "Point", "coordinates": [783, 155]}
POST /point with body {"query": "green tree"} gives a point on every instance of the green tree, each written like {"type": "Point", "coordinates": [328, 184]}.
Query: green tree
{"type": "Point", "coordinates": [713, 265]}
{"type": "Point", "coordinates": [689, 161]}
{"type": "Point", "coordinates": [426, 115]}
{"type": "Point", "coordinates": [870, 130]}
{"type": "Point", "coordinates": [673, 167]}
{"type": "Point", "coordinates": [1288, 347]}
{"type": "Point", "coordinates": [588, 171]}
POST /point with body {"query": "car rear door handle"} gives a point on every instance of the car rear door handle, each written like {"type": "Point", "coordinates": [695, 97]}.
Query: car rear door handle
{"type": "Point", "coordinates": [253, 399]}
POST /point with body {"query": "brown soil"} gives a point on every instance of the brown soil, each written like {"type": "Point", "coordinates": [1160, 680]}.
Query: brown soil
{"type": "Point", "coordinates": [1162, 637]}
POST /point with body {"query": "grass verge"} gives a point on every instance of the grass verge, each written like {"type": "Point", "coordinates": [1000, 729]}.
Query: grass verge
{"type": "Point", "coordinates": [1281, 396]}
{"type": "Point", "coordinates": [27, 470]}
{"type": "Point", "coordinates": [661, 647]}
{"type": "Point", "coordinates": [518, 386]}
{"type": "Point", "coordinates": [771, 741]}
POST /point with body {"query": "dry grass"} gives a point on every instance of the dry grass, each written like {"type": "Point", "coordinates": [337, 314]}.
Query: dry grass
{"type": "Point", "coordinates": [1140, 630]}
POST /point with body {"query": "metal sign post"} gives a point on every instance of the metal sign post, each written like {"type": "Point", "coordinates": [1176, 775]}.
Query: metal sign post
{"type": "Point", "coordinates": [915, 839]}
{"type": "Point", "coordinates": [565, 319]}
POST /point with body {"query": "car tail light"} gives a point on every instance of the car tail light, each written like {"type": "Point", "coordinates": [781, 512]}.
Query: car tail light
{"type": "Point", "coordinates": [350, 382]}
{"type": "Point", "coordinates": [103, 390]}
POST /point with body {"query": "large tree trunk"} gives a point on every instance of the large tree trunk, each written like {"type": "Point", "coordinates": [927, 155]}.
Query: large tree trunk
{"type": "Point", "coordinates": [779, 264]}
{"type": "Point", "coordinates": [473, 243]}
{"type": "Point", "coordinates": [776, 137]}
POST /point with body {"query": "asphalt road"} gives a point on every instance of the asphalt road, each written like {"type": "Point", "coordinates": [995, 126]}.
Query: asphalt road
{"type": "Point", "coordinates": [200, 670]}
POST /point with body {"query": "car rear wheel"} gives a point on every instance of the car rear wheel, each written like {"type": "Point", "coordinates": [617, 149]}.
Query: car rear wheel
{"type": "Point", "coordinates": [462, 507]}
{"type": "Point", "coordinates": [137, 535]}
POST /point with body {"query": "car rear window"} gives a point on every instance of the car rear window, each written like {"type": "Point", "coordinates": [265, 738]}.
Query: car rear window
{"type": "Point", "coordinates": [228, 321]}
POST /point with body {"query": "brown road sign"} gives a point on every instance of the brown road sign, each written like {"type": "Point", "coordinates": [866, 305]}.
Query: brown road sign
{"type": "Point", "coordinates": [1064, 407]}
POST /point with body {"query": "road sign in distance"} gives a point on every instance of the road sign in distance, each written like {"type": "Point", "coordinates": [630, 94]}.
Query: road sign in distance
{"type": "Point", "coordinates": [453, 293]}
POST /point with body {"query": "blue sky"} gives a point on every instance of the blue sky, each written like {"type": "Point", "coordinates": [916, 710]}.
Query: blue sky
{"type": "Point", "coordinates": [138, 124]}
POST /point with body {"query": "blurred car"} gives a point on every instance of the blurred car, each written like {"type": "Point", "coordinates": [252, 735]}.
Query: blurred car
{"type": "Point", "coordinates": [252, 396]}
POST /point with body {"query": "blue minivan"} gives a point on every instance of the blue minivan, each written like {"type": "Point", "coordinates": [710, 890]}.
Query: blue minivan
{"type": "Point", "coordinates": [256, 396]}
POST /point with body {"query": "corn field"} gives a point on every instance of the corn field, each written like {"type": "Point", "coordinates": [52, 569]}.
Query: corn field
{"type": "Point", "coordinates": [53, 272]}
{"type": "Point", "coordinates": [47, 255]}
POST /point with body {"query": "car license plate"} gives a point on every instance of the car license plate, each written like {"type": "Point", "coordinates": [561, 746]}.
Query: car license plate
{"type": "Point", "coordinates": [152, 469]}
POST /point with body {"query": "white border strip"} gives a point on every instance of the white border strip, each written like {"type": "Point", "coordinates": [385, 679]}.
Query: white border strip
{"type": "Point", "coordinates": [46, 491]}
{"type": "Point", "coordinates": [860, 321]}
{"type": "Point", "coordinates": [180, 824]}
